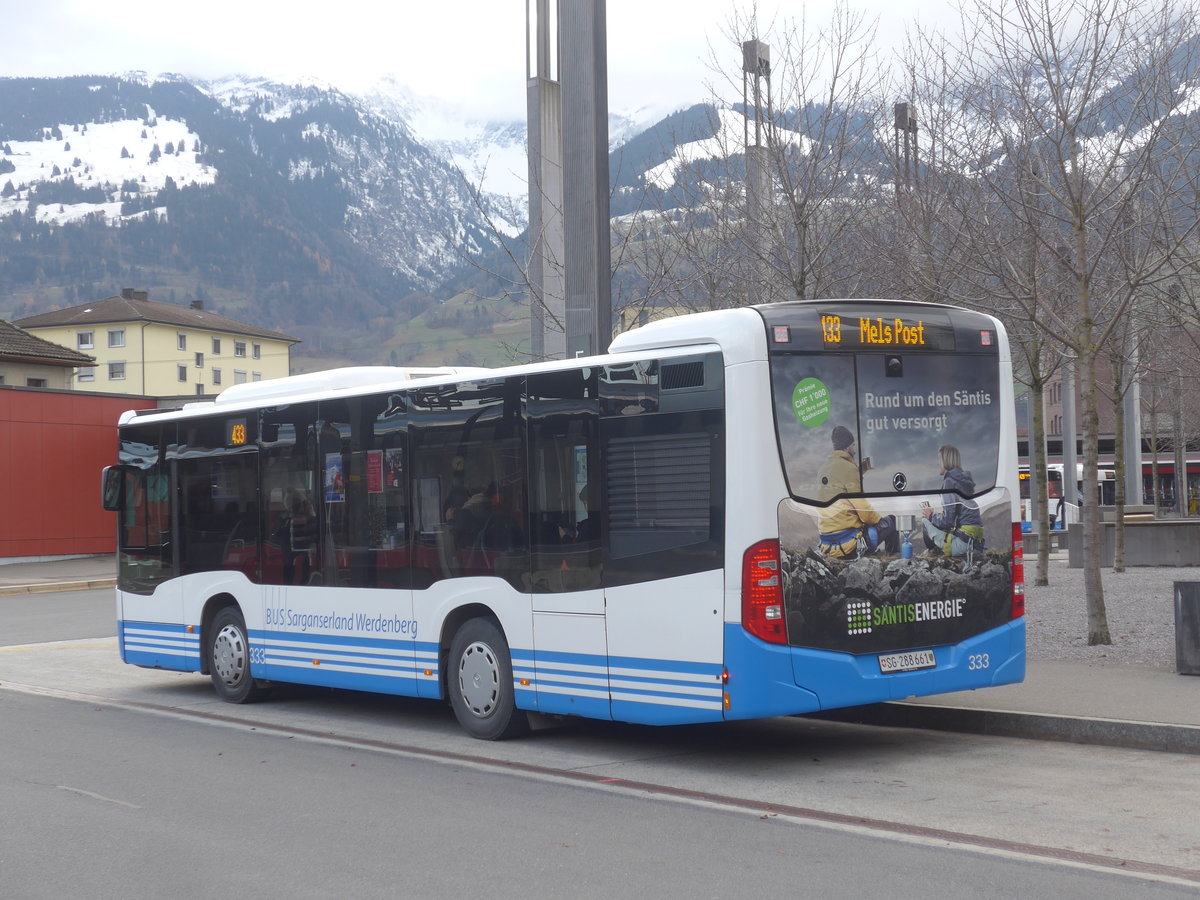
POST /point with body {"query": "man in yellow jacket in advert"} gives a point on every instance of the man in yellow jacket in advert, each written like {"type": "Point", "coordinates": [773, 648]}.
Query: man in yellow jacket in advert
{"type": "Point", "coordinates": [850, 526]}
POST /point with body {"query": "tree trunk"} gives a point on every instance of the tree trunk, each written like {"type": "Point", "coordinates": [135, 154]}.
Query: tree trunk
{"type": "Point", "coordinates": [1119, 389]}
{"type": "Point", "coordinates": [1097, 616]}
{"type": "Point", "coordinates": [1180, 449]}
{"type": "Point", "coordinates": [1154, 445]}
{"type": "Point", "coordinates": [1037, 440]}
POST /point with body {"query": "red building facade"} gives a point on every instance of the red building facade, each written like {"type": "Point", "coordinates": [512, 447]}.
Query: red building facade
{"type": "Point", "coordinates": [53, 445]}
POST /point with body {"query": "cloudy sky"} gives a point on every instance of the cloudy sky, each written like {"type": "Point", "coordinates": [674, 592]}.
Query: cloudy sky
{"type": "Point", "coordinates": [469, 51]}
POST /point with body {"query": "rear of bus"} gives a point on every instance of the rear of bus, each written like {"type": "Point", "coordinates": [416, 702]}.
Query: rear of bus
{"type": "Point", "coordinates": [897, 570]}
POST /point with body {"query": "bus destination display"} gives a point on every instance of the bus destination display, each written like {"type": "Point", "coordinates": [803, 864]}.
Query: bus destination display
{"type": "Point", "coordinates": [877, 327]}
{"type": "Point", "coordinates": [235, 432]}
{"type": "Point", "coordinates": [874, 331]}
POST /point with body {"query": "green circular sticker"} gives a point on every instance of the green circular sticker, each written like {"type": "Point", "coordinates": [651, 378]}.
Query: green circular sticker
{"type": "Point", "coordinates": [810, 402]}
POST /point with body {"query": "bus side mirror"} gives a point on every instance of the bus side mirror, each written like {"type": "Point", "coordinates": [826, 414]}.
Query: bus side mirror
{"type": "Point", "coordinates": [112, 481]}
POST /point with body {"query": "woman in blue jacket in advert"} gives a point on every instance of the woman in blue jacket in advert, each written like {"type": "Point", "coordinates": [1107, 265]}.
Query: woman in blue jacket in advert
{"type": "Point", "coordinates": [958, 529]}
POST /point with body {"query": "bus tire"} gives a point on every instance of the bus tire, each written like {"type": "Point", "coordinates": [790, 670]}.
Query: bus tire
{"type": "Point", "coordinates": [480, 683]}
{"type": "Point", "coordinates": [229, 658]}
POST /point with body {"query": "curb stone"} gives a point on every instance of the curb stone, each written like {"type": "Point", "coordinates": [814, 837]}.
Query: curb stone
{"type": "Point", "coordinates": [1037, 726]}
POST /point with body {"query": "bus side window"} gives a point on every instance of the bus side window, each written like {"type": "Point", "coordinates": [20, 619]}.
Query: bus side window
{"type": "Point", "coordinates": [565, 520]}
{"type": "Point", "coordinates": [217, 488]}
{"type": "Point", "coordinates": [468, 452]}
{"type": "Point", "coordinates": [664, 474]}
{"type": "Point", "coordinates": [290, 539]}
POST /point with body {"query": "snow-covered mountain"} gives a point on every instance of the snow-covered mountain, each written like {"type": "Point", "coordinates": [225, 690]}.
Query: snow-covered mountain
{"type": "Point", "coordinates": [399, 197]}
{"type": "Point", "coordinates": [415, 182]}
{"type": "Point", "coordinates": [491, 153]}
{"type": "Point", "coordinates": [293, 206]}
{"type": "Point", "coordinates": [409, 201]}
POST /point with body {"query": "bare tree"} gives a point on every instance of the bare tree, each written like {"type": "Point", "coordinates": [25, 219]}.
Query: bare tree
{"type": "Point", "coordinates": [818, 131]}
{"type": "Point", "coordinates": [972, 225]}
{"type": "Point", "coordinates": [1069, 115]}
{"type": "Point", "coordinates": [830, 84]}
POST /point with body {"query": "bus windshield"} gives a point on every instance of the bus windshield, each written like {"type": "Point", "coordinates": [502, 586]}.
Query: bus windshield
{"type": "Point", "coordinates": [891, 410]}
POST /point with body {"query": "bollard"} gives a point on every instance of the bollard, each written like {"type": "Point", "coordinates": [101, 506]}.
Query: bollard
{"type": "Point", "coordinates": [1187, 627]}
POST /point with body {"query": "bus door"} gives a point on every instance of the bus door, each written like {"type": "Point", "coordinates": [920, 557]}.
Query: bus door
{"type": "Point", "coordinates": [570, 655]}
{"type": "Point", "coordinates": [661, 437]}
{"type": "Point", "coordinates": [216, 466]}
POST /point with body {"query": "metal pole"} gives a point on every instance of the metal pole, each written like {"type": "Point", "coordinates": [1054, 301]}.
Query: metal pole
{"type": "Point", "coordinates": [1035, 481]}
{"type": "Point", "coordinates": [1069, 435]}
{"type": "Point", "coordinates": [1133, 431]}
{"type": "Point", "coordinates": [1180, 448]}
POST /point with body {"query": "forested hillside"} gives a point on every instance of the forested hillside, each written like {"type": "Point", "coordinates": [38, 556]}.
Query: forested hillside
{"type": "Point", "coordinates": [297, 227]}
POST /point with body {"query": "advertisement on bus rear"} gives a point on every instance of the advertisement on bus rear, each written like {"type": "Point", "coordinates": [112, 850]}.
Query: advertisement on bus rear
{"type": "Point", "coordinates": [903, 591]}
{"type": "Point", "coordinates": [896, 535]}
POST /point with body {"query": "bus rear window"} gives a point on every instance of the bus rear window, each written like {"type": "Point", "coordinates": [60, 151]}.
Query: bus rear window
{"type": "Point", "coordinates": [885, 423]}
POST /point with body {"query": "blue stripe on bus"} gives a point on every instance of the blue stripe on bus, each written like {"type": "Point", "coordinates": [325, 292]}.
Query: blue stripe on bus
{"type": "Point", "coordinates": [159, 645]}
{"type": "Point", "coordinates": [325, 676]}
{"type": "Point", "coordinates": [382, 665]}
{"type": "Point", "coordinates": [631, 689]}
{"type": "Point", "coordinates": [665, 665]}
{"type": "Point", "coordinates": [652, 669]}
{"type": "Point", "coordinates": [374, 664]}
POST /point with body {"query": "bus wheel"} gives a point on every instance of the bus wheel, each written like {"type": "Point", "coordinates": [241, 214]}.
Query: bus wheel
{"type": "Point", "coordinates": [481, 683]}
{"type": "Point", "coordinates": [229, 658]}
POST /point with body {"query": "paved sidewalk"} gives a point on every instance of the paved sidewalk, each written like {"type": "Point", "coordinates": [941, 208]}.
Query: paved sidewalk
{"type": "Point", "coordinates": [59, 574]}
{"type": "Point", "coordinates": [1116, 705]}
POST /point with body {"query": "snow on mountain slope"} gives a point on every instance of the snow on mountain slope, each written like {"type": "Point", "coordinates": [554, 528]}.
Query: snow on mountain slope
{"type": "Point", "coordinates": [727, 142]}
{"type": "Point", "coordinates": [413, 181]}
{"type": "Point", "coordinates": [489, 154]}
{"type": "Point", "coordinates": [405, 200]}
{"type": "Point", "coordinates": [102, 156]}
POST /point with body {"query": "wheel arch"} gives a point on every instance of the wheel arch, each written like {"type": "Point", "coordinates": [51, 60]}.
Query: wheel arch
{"type": "Point", "coordinates": [212, 606]}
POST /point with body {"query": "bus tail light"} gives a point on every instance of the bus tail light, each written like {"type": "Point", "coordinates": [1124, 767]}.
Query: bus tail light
{"type": "Point", "coordinates": [762, 593]}
{"type": "Point", "coordinates": [1018, 571]}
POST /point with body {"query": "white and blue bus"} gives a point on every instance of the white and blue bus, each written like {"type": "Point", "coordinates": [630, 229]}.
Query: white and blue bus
{"type": "Point", "coordinates": [734, 514]}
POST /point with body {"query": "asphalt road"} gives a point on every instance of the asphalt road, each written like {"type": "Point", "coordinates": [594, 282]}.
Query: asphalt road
{"type": "Point", "coordinates": [68, 616]}
{"type": "Point", "coordinates": [142, 806]}
{"type": "Point", "coordinates": [123, 782]}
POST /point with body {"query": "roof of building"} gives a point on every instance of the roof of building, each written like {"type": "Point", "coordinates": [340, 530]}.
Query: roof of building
{"type": "Point", "coordinates": [16, 344]}
{"type": "Point", "coordinates": [134, 306]}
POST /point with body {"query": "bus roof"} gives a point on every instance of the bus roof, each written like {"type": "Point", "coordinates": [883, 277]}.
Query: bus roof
{"type": "Point", "coordinates": [367, 379]}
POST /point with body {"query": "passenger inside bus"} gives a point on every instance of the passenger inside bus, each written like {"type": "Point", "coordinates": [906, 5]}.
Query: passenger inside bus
{"type": "Point", "coordinates": [297, 534]}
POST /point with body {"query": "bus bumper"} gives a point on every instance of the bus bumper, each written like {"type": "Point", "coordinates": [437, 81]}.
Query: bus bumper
{"type": "Point", "coordinates": [795, 680]}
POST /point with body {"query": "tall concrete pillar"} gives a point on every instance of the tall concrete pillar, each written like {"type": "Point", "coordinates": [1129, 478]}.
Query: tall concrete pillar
{"type": "Point", "coordinates": [758, 139]}
{"type": "Point", "coordinates": [546, 235]}
{"type": "Point", "coordinates": [568, 190]}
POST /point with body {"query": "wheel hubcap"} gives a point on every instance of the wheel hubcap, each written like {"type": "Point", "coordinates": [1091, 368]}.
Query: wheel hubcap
{"type": "Point", "coordinates": [479, 679]}
{"type": "Point", "coordinates": [230, 659]}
